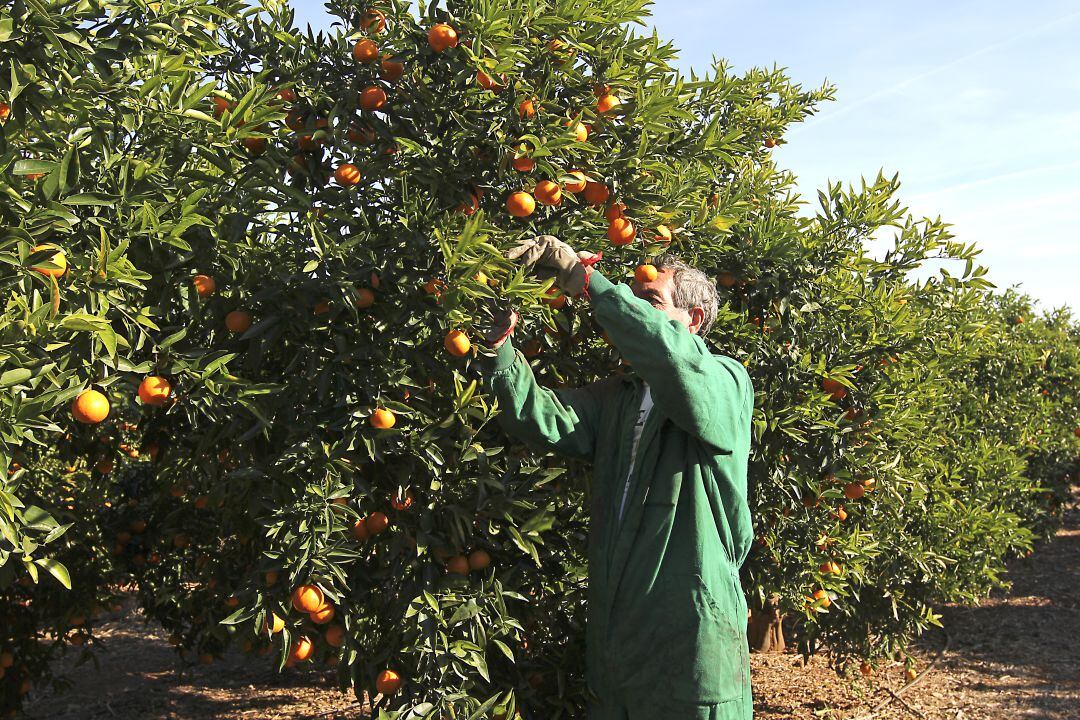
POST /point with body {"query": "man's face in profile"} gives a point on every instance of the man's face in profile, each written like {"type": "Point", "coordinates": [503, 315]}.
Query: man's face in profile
{"type": "Point", "coordinates": [658, 293]}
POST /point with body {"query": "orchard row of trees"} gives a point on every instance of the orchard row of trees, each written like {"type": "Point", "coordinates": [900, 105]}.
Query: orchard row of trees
{"type": "Point", "coordinates": [243, 269]}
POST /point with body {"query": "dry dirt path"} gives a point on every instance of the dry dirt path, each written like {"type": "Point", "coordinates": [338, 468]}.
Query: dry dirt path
{"type": "Point", "coordinates": [1017, 655]}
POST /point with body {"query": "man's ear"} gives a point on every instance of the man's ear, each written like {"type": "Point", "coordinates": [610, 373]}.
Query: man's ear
{"type": "Point", "coordinates": [697, 317]}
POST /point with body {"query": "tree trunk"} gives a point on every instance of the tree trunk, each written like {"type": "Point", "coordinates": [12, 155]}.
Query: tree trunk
{"type": "Point", "coordinates": [765, 632]}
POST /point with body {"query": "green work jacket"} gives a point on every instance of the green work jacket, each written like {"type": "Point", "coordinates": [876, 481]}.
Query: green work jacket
{"type": "Point", "coordinates": [666, 630]}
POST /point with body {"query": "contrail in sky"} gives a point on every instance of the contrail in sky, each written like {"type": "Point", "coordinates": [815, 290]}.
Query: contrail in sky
{"type": "Point", "coordinates": [844, 109]}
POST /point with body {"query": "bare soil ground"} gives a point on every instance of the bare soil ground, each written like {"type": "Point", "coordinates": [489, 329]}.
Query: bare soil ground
{"type": "Point", "coordinates": [1017, 655]}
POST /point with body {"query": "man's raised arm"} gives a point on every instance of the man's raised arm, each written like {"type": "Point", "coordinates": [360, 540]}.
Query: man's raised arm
{"type": "Point", "coordinates": [701, 392]}
{"type": "Point", "coordinates": [563, 421]}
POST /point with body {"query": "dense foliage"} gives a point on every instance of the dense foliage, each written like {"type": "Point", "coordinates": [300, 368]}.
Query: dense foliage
{"type": "Point", "coordinates": [289, 228]}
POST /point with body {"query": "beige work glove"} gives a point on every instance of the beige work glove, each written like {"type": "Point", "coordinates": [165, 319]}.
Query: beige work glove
{"type": "Point", "coordinates": [550, 257]}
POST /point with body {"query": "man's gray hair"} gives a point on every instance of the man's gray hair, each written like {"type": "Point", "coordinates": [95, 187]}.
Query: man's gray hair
{"type": "Point", "coordinates": [691, 288]}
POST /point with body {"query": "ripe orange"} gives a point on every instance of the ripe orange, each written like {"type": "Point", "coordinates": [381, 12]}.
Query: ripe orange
{"type": "Point", "coordinates": [836, 390]}
{"type": "Point", "coordinates": [555, 298]}
{"type": "Point", "coordinates": [180, 541]}
{"type": "Point", "coordinates": [335, 636]}
{"type": "Point", "coordinates": [615, 210]}
{"type": "Point", "coordinates": [307, 598]}
{"type": "Point", "coordinates": [90, 407]}
{"type": "Point", "coordinates": [457, 343]}
{"type": "Point", "coordinates": [360, 531]}
{"type": "Point", "coordinates": [360, 135]}
{"type": "Point", "coordinates": [854, 491]}
{"type": "Point", "coordinates": [302, 650]}
{"type": "Point", "coordinates": [663, 234]}
{"type": "Point", "coordinates": [646, 273]}
{"type": "Point", "coordinates": [238, 321]}
{"type": "Point", "coordinates": [607, 103]}
{"type": "Point", "coordinates": [204, 285]}
{"type": "Point", "coordinates": [154, 390]}
{"type": "Point", "coordinates": [254, 145]}
{"type": "Point", "coordinates": [402, 503]}
{"type": "Point", "coordinates": [372, 98]}
{"type": "Point", "coordinates": [596, 193]}
{"type": "Point", "coordinates": [621, 231]}
{"type": "Point", "coordinates": [770, 143]}
{"type": "Point", "coordinates": [830, 568]}
{"type": "Point", "coordinates": [308, 143]}
{"type": "Point", "coordinates": [286, 95]}
{"type": "Point", "coordinates": [365, 51]}
{"type": "Point", "coordinates": [347, 174]}
{"type": "Point", "coordinates": [442, 37]}
{"type": "Point", "coordinates": [458, 564]}
{"type": "Point", "coordinates": [221, 105]}
{"type": "Point", "coordinates": [489, 83]}
{"type": "Point", "coordinates": [373, 21]}
{"type": "Point", "coordinates": [727, 279]}
{"type": "Point", "coordinates": [823, 596]}
{"type": "Point", "coordinates": [382, 419]}
{"type": "Point", "coordinates": [578, 183]}
{"type": "Point", "coordinates": [376, 523]}
{"type": "Point", "coordinates": [323, 615]}
{"type": "Point", "coordinates": [479, 560]}
{"type": "Point", "coordinates": [5, 111]}
{"type": "Point", "coordinates": [523, 164]}
{"type": "Point", "coordinates": [580, 131]}
{"type": "Point", "coordinates": [321, 308]}
{"type": "Point", "coordinates": [520, 204]}
{"type": "Point", "coordinates": [548, 193]}
{"type": "Point", "coordinates": [295, 121]}
{"type": "Point", "coordinates": [271, 577]}
{"type": "Point", "coordinates": [527, 108]}
{"type": "Point", "coordinates": [104, 467]}
{"type": "Point", "coordinates": [365, 298]}
{"type": "Point", "coordinates": [473, 205]}
{"type": "Point", "coordinates": [388, 682]}
{"type": "Point", "coordinates": [841, 513]}
{"type": "Point", "coordinates": [390, 70]}
{"type": "Point", "coordinates": [57, 258]}
{"type": "Point", "coordinates": [434, 287]}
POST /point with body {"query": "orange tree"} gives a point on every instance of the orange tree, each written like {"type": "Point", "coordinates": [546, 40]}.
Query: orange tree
{"type": "Point", "coordinates": [105, 160]}
{"type": "Point", "coordinates": [292, 239]}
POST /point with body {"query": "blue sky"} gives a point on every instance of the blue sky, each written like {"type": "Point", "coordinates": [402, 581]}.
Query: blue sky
{"type": "Point", "coordinates": [975, 104]}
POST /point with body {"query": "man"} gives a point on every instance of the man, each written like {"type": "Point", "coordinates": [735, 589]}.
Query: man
{"type": "Point", "coordinates": [670, 525]}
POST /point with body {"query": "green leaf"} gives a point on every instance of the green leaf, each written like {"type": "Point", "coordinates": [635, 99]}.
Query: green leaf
{"type": "Point", "coordinates": [16, 376]}
{"type": "Point", "coordinates": [56, 569]}
{"type": "Point", "coordinates": [89, 199]}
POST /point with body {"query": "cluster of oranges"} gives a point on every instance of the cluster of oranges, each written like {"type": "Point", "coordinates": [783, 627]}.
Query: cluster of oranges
{"type": "Point", "coordinates": [311, 601]}
{"type": "Point", "coordinates": [92, 406]}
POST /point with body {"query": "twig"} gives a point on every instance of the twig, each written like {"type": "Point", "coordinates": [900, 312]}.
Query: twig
{"type": "Point", "coordinates": [904, 702]}
{"type": "Point", "coordinates": [354, 706]}
{"type": "Point", "coordinates": [896, 695]}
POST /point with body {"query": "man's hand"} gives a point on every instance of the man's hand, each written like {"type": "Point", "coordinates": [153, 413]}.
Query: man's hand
{"type": "Point", "coordinates": [552, 258]}
{"type": "Point", "coordinates": [503, 322]}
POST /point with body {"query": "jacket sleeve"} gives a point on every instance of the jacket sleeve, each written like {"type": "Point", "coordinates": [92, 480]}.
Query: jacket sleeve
{"type": "Point", "coordinates": [709, 396]}
{"type": "Point", "coordinates": [562, 421]}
